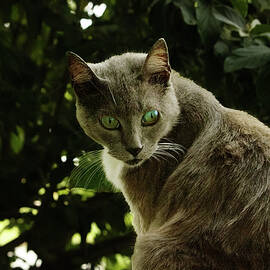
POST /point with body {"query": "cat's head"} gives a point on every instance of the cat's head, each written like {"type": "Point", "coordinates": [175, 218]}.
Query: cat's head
{"type": "Point", "coordinates": [126, 103]}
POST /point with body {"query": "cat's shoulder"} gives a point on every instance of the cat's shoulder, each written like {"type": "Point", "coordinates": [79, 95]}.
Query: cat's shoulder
{"type": "Point", "coordinates": [247, 125]}
{"type": "Point", "coordinates": [241, 138]}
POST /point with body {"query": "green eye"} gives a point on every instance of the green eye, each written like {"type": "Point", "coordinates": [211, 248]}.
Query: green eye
{"type": "Point", "coordinates": [150, 118]}
{"type": "Point", "coordinates": [109, 122]}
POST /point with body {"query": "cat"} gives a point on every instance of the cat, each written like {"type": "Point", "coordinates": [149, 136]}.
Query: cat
{"type": "Point", "coordinates": [195, 174]}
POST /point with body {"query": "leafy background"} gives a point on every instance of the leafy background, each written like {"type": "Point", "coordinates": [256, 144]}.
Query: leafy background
{"type": "Point", "coordinates": [222, 45]}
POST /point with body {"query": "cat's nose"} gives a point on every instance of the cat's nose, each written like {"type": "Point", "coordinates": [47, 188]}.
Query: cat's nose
{"type": "Point", "coordinates": [134, 151]}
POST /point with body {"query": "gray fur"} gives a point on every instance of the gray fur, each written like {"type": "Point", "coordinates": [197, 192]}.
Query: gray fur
{"type": "Point", "coordinates": [210, 208]}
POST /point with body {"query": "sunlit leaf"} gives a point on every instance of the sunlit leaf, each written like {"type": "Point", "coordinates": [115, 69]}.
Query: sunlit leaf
{"type": "Point", "coordinates": [118, 262]}
{"type": "Point", "coordinates": [17, 140]}
{"type": "Point", "coordinates": [7, 233]}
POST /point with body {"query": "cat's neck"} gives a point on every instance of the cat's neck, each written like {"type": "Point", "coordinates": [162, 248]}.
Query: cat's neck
{"type": "Point", "coordinates": [143, 185]}
{"type": "Point", "coordinates": [199, 109]}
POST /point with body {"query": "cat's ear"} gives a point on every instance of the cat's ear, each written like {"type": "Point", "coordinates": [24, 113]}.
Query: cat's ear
{"type": "Point", "coordinates": [156, 68]}
{"type": "Point", "coordinates": [84, 81]}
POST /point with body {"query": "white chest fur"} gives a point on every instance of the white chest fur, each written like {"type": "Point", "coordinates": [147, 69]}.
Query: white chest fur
{"type": "Point", "coordinates": [112, 168]}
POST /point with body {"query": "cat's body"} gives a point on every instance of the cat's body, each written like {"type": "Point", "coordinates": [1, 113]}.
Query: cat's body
{"type": "Point", "coordinates": [209, 208]}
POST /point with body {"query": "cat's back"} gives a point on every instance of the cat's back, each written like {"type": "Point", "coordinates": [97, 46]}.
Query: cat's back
{"type": "Point", "coordinates": [249, 127]}
{"type": "Point", "coordinates": [226, 178]}
{"type": "Point", "coordinates": [243, 142]}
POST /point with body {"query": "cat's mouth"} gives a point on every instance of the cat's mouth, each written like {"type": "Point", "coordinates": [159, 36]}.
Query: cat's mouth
{"type": "Point", "coordinates": [134, 161]}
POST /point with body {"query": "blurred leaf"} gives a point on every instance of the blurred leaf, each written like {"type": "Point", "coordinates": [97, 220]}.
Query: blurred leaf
{"type": "Point", "coordinates": [208, 26]}
{"type": "Point", "coordinates": [221, 49]}
{"type": "Point", "coordinates": [7, 232]}
{"type": "Point", "coordinates": [187, 9]}
{"type": "Point", "coordinates": [262, 87]}
{"type": "Point", "coordinates": [118, 262]}
{"type": "Point", "coordinates": [5, 7]}
{"type": "Point", "coordinates": [154, 2]}
{"type": "Point", "coordinates": [260, 28]}
{"type": "Point", "coordinates": [15, 13]}
{"type": "Point", "coordinates": [262, 4]}
{"type": "Point", "coordinates": [249, 57]}
{"type": "Point", "coordinates": [229, 16]}
{"type": "Point", "coordinates": [17, 140]}
{"type": "Point", "coordinates": [241, 6]}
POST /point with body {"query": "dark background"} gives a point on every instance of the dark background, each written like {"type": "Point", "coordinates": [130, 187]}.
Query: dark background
{"type": "Point", "coordinates": [222, 45]}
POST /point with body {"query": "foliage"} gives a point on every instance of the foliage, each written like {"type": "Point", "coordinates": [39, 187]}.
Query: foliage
{"type": "Point", "coordinates": [222, 45]}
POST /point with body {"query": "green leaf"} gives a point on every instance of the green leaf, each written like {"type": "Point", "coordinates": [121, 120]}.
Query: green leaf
{"type": "Point", "coordinates": [17, 140]}
{"type": "Point", "coordinates": [229, 16]}
{"type": "Point", "coordinates": [241, 6]}
{"type": "Point", "coordinates": [15, 13]}
{"type": "Point", "coordinates": [89, 173]}
{"type": "Point", "coordinates": [262, 87]}
{"type": "Point", "coordinates": [188, 10]}
{"type": "Point", "coordinates": [221, 49]}
{"type": "Point", "coordinates": [153, 4]}
{"type": "Point", "coordinates": [260, 29]}
{"type": "Point", "coordinates": [261, 4]}
{"type": "Point", "coordinates": [208, 26]}
{"type": "Point", "coordinates": [253, 56]}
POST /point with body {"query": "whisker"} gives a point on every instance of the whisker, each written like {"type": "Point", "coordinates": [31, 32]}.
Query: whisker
{"type": "Point", "coordinates": [89, 166]}
{"type": "Point", "coordinates": [154, 156]}
{"type": "Point", "coordinates": [82, 173]}
{"type": "Point", "coordinates": [161, 156]}
{"type": "Point", "coordinates": [92, 175]}
{"type": "Point", "coordinates": [174, 146]}
{"type": "Point", "coordinates": [164, 153]}
{"type": "Point", "coordinates": [167, 139]}
{"type": "Point", "coordinates": [169, 150]}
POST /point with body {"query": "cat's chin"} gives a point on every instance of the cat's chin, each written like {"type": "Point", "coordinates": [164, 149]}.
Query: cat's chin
{"type": "Point", "coordinates": [134, 162]}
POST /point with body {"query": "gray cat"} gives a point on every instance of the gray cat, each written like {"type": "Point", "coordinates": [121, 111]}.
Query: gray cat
{"type": "Point", "coordinates": [195, 174]}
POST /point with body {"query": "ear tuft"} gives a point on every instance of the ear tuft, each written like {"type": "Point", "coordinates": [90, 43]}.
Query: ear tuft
{"type": "Point", "coordinates": [156, 68]}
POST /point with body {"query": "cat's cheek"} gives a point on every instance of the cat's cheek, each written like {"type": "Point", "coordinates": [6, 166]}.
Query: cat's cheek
{"type": "Point", "coordinates": [93, 137]}
{"type": "Point", "coordinates": [89, 130]}
{"type": "Point", "coordinates": [98, 136]}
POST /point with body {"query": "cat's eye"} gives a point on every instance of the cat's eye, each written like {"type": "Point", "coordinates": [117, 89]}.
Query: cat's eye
{"type": "Point", "coordinates": [109, 122]}
{"type": "Point", "coordinates": [150, 118]}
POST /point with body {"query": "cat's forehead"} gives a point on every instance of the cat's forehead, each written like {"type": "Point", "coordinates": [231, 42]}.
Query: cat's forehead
{"type": "Point", "coordinates": [130, 95]}
{"type": "Point", "coordinates": [129, 101]}
{"type": "Point", "coordinates": [120, 69]}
